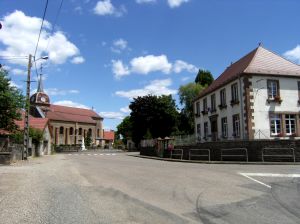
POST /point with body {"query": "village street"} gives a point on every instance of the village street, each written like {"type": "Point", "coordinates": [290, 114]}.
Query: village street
{"type": "Point", "coordinates": [112, 187]}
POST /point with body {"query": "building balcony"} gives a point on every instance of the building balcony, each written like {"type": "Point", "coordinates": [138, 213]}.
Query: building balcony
{"type": "Point", "coordinates": [222, 106]}
{"type": "Point", "coordinates": [204, 112]}
{"type": "Point", "coordinates": [234, 102]}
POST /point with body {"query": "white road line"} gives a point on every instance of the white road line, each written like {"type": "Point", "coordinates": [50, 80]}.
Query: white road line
{"type": "Point", "coordinates": [271, 175]}
{"type": "Point", "coordinates": [95, 154]}
{"type": "Point", "coordinates": [69, 154]}
{"type": "Point", "coordinates": [107, 154]}
{"type": "Point", "coordinates": [257, 181]}
{"type": "Point", "coordinates": [113, 154]}
{"type": "Point", "coordinates": [88, 154]}
{"type": "Point", "coordinates": [101, 154]}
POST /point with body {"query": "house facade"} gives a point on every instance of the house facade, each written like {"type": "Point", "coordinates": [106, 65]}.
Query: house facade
{"type": "Point", "coordinates": [257, 97]}
{"type": "Point", "coordinates": [68, 125]}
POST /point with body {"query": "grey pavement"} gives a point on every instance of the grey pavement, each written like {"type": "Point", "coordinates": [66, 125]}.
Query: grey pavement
{"type": "Point", "coordinates": [116, 188]}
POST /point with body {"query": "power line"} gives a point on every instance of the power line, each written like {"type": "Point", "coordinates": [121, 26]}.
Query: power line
{"type": "Point", "coordinates": [55, 22]}
{"type": "Point", "coordinates": [44, 15]}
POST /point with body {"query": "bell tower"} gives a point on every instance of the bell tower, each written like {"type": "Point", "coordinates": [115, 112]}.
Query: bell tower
{"type": "Point", "coordinates": [40, 98]}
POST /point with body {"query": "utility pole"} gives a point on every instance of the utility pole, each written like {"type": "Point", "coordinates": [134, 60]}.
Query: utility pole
{"type": "Point", "coordinates": [27, 108]}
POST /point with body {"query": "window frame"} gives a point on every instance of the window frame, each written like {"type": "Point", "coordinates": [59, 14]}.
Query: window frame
{"type": "Point", "coordinates": [236, 122]}
{"type": "Point", "coordinates": [213, 103]}
{"type": "Point", "coordinates": [288, 122]}
{"type": "Point", "coordinates": [224, 127]}
{"type": "Point", "coordinates": [276, 117]}
{"type": "Point", "coordinates": [234, 93]}
{"type": "Point", "coordinates": [223, 97]}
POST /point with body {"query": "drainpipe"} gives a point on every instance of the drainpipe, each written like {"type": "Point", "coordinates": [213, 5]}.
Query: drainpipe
{"type": "Point", "coordinates": [242, 111]}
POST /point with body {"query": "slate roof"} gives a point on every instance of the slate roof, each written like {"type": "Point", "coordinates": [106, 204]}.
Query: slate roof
{"type": "Point", "coordinates": [259, 61]}
{"type": "Point", "coordinates": [73, 114]}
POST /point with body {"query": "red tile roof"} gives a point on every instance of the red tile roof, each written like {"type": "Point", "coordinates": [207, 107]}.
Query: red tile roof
{"type": "Point", "coordinates": [258, 61]}
{"type": "Point", "coordinates": [64, 113]}
{"type": "Point", "coordinates": [4, 132]}
{"type": "Point", "coordinates": [38, 123]}
{"type": "Point", "coordinates": [108, 135]}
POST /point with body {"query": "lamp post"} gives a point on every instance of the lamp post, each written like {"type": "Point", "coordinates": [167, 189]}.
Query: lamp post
{"type": "Point", "coordinates": [27, 106]}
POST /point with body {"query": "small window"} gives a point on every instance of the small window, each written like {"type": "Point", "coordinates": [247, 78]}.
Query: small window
{"type": "Point", "coordinates": [234, 93]}
{"type": "Point", "coordinates": [204, 105]}
{"type": "Point", "coordinates": [290, 124]}
{"type": "Point", "coordinates": [213, 103]}
{"type": "Point", "coordinates": [198, 108]}
{"type": "Point", "coordinates": [198, 131]}
{"type": "Point", "coordinates": [90, 132]}
{"type": "Point", "coordinates": [223, 97]}
{"type": "Point", "coordinates": [61, 130]}
{"type": "Point", "coordinates": [224, 127]}
{"type": "Point", "coordinates": [98, 133]}
{"type": "Point", "coordinates": [275, 123]}
{"type": "Point", "coordinates": [71, 131]}
{"type": "Point", "coordinates": [273, 89]}
{"type": "Point", "coordinates": [80, 131]}
{"type": "Point", "coordinates": [205, 130]}
{"type": "Point", "coordinates": [236, 125]}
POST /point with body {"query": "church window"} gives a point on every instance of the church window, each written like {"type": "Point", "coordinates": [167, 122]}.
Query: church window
{"type": "Point", "coordinates": [61, 130]}
{"type": "Point", "coordinates": [71, 131]}
{"type": "Point", "coordinates": [80, 131]}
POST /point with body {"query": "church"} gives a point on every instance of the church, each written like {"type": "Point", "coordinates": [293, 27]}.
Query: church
{"type": "Point", "coordinates": [67, 125]}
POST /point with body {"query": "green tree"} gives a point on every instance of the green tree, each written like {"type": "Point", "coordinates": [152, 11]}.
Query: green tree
{"type": "Point", "coordinates": [88, 139]}
{"type": "Point", "coordinates": [11, 103]}
{"type": "Point", "coordinates": [204, 77]}
{"type": "Point", "coordinates": [36, 135]}
{"type": "Point", "coordinates": [125, 129]}
{"type": "Point", "coordinates": [153, 116]}
{"type": "Point", "coordinates": [187, 94]}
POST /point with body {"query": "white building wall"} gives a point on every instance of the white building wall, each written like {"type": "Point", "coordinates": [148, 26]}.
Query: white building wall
{"type": "Point", "coordinates": [288, 93]}
{"type": "Point", "coordinates": [226, 112]}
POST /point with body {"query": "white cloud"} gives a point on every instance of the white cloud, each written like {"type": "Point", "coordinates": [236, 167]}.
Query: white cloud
{"type": "Point", "coordinates": [78, 60]}
{"type": "Point", "coordinates": [20, 36]}
{"type": "Point", "coordinates": [150, 63]}
{"type": "Point", "coordinates": [105, 7]}
{"type": "Point", "coordinates": [119, 45]}
{"type": "Point", "coordinates": [185, 78]}
{"type": "Point", "coordinates": [70, 103]}
{"type": "Point", "coordinates": [13, 84]}
{"type": "Point", "coordinates": [156, 87]}
{"type": "Point", "coordinates": [180, 66]}
{"type": "Point", "coordinates": [60, 92]}
{"type": "Point", "coordinates": [17, 71]}
{"type": "Point", "coordinates": [112, 115]}
{"type": "Point", "coordinates": [294, 54]}
{"type": "Point", "coordinates": [78, 10]}
{"type": "Point", "coordinates": [125, 110]}
{"type": "Point", "coordinates": [119, 69]}
{"type": "Point", "coordinates": [176, 3]}
{"type": "Point", "coordinates": [145, 1]}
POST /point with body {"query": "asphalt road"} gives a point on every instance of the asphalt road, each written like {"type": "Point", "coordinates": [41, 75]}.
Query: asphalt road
{"type": "Point", "coordinates": [112, 187]}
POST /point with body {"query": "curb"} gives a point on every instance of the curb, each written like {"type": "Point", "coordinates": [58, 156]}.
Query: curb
{"type": "Point", "coordinates": [215, 162]}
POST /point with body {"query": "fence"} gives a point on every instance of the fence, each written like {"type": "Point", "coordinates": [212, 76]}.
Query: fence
{"type": "Point", "coordinates": [185, 140]}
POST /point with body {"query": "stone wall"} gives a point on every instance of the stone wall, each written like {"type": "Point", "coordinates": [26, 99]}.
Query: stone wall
{"type": "Point", "coordinates": [254, 148]}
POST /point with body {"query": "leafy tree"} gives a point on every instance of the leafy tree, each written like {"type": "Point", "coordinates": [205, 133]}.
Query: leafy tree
{"type": "Point", "coordinates": [35, 134]}
{"type": "Point", "coordinates": [11, 103]}
{"type": "Point", "coordinates": [187, 94]}
{"type": "Point", "coordinates": [153, 116]}
{"type": "Point", "coordinates": [88, 139]}
{"type": "Point", "coordinates": [125, 129]}
{"type": "Point", "coordinates": [204, 77]}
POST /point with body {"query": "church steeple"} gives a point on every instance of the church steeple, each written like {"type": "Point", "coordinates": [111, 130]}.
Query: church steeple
{"type": "Point", "coordinates": [40, 84]}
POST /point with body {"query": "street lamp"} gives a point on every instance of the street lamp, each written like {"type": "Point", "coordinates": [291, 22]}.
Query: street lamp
{"type": "Point", "coordinates": [27, 106]}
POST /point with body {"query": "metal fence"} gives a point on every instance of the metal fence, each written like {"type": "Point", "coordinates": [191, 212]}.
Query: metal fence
{"type": "Point", "coordinates": [185, 139]}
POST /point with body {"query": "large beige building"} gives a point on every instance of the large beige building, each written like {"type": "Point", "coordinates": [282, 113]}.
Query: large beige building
{"type": "Point", "coordinates": [68, 125]}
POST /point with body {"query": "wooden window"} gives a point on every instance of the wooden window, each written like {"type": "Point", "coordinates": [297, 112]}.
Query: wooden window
{"type": "Point", "coordinates": [71, 132]}
{"type": "Point", "coordinates": [80, 131]}
{"type": "Point", "coordinates": [224, 127]}
{"type": "Point", "coordinates": [234, 93]}
{"type": "Point", "coordinates": [205, 130]}
{"type": "Point", "coordinates": [197, 108]}
{"type": "Point", "coordinates": [275, 124]}
{"type": "Point", "coordinates": [236, 125]}
{"type": "Point", "coordinates": [223, 98]}
{"type": "Point", "coordinates": [213, 103]}
{"type": "Point", "coordinates": [273, 89]}
{"type": "Point", "coordinates": [290, 124]}
{"type": "Point", "coordinates": [204, 106]}
{"type": "Point", "coordinates": [61, 130]}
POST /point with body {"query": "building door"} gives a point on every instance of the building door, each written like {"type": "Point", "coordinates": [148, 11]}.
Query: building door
{"type": "Point", "coordinates": [214, 128]}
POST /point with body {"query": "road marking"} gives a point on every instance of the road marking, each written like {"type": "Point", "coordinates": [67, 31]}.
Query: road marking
{"type": "Point", "coordinates": [95, 154]}
{"type": "Point", "coordinates": [257, 181]}
{"type": "Point", "coordinates": [101, 154]}
{"type": "Point", "coordinates": [271, 175]}
{"type": "Point", "coordinates": [69, 154]}
{"type": "Point", "coordinates": [113, 154]}
{"type": "Point", "coordinates": [88, 154]}
{"type": "Point", "coordinates": [107, 154]}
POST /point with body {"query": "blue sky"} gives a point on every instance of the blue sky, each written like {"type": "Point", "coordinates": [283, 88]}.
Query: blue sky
{"type": "Point", "coordinates": [104, 53]}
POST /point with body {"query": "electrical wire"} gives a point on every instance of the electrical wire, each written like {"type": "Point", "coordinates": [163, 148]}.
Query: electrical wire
{"type": "Point", "coordinates": [55, 22]}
